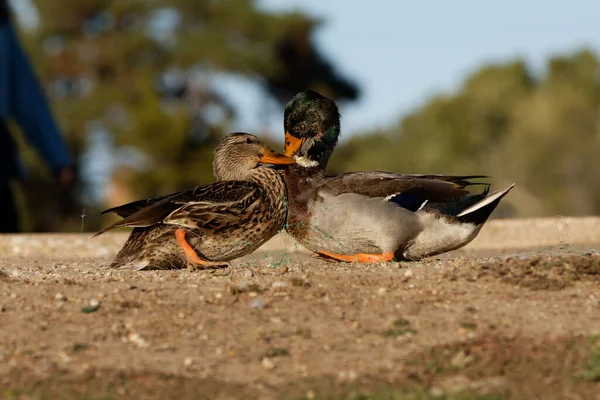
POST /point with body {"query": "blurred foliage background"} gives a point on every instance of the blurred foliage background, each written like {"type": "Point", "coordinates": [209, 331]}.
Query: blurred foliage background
{"type": "Point", "coordinates": [141, 73]}
{"type": "Point", "coordinates": [123, 80]}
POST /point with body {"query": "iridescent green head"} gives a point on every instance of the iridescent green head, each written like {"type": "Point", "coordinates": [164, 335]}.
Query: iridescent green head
{"type": "Point", "coordinates": [312, 128]}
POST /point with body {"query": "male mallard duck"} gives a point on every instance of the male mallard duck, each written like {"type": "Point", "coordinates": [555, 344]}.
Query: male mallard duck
{"type": "Point", "coordinates": [222, 221]}
{"type": "Point", "coordinates": [371, 216]}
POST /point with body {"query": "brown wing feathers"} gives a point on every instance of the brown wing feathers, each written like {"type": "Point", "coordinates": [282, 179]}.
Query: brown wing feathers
{"type": "Point", "coordinates": [382, 184]}
{"type": "Point", "coordinates": [148, 216]}
{"type": "Point", "coordinates": [203, 207]}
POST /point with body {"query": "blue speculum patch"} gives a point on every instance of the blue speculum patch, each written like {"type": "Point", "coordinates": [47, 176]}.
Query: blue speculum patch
{"type": "Point", "coordinates": [410, 201]}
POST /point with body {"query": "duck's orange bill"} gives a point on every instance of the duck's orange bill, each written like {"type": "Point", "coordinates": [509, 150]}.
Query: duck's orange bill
{"type": "Point", "coordinates": [272, 157]}
{"type": "Point", "coordinates": [292, 144]}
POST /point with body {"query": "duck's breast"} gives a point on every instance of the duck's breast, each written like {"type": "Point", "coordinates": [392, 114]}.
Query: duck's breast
{"type": "Point", "coordinates": [256, 225]}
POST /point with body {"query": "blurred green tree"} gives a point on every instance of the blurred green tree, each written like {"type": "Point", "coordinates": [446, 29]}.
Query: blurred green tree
{"type": "Point", "coordinates": [540, 131]}
{"type": "Point", "coordinates": [143, 70]}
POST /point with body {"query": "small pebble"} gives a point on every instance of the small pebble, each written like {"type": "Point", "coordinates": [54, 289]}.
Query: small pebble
{"type": "Point", "coordinates": [349, 376]}
{"type": "Point", "coordinates": [408, 273]}
{"type": "Point", "coordinates": [59, 296]}
{"type": "Point", "coordinates": [247, 273]}
{"type": "Point", "coordinates": [279, 284]}
{"type": "Point", "coordinates": [381, 291]}
{"type": "Point", "coordinates": [267, 363]}
{"type": "Point", "coordinates": [256, 303]}
{"type": "Point", "coordinates": [136, 339]}
{"type": "Point", "coordinates": [461, 359]}
{"type": "Point", "coordinates": [188, 361]}
{"type": "Point", "coordinates": [93, 307]}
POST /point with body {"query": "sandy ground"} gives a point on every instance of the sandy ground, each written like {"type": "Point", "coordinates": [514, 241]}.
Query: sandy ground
{"type": "Point", "coordinates": [516, 314]}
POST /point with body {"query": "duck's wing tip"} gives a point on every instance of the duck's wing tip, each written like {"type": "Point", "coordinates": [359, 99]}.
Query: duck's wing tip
{"type": "Point", "coordinates": [490, 199]}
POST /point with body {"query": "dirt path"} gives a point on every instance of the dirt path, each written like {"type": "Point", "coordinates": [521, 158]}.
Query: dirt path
{"type": "Point", "coordinates": [514, 315]}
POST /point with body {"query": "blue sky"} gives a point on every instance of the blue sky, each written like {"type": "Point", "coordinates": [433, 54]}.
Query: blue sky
{"type": "Point", "coordinates": [433, 45]}
{"type": "Point", "coordinates": [403, 52]}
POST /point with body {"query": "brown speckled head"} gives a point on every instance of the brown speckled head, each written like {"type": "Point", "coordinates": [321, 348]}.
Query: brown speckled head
{"type": "Point", "coordinates": [238, 154]}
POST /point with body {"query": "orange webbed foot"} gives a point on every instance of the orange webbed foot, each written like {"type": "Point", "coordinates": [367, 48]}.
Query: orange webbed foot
{"type": "Point", "coordinates": [193, 261]}
{"type": "Point", "coordinates": [361, 257]}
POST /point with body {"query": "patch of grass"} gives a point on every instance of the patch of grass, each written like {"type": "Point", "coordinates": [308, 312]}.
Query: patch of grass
{"type": "Point", "coordinates": [468, 325]}
{"type": "Point", "coordinates": [401, 322]}
{"type": "Point", "coordinates": [276, 352]}
{"type": "Point", "coordinates": [112, 384]}
{"type": "Point", "coordinates": [592, 369]}
{"type": "Point", "coordinates": [395, 332]}
{"type": "Point", "coordinates": [416, 393]}
{"type": "Point", "coordinates": [77, 347]}
{"type": "Point", "coordinates": [11, 393]}
{"type": "Point", "coordinates": [59, 393]}
{"type": "Point", "coordinates": [399, 327]}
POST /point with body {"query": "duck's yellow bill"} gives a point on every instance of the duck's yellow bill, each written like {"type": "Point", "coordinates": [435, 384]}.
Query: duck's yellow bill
{"type": "Point", "coordinates": [292, 144]}
{"type": "Point", "coordinates": [272, 157]}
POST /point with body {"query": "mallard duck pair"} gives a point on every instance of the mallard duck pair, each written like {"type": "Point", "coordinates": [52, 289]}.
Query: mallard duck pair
{"type": "Point", "coordinates": [211, 224]}
{"type": "Point", "coordinates": [359, 216]}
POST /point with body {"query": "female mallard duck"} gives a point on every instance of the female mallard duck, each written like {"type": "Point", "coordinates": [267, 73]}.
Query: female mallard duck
{"type": "Point", "coordinates": [371, 216]}
{"type": "Point", "coordinates": [210, 224]}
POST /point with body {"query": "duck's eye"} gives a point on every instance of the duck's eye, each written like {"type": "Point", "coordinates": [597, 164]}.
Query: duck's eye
{"type": "Point", "coordinates": [248, 141]}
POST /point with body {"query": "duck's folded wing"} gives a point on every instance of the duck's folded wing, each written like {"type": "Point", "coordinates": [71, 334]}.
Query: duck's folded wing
{"type": "Point", "coordinates": [408, 191]}
{"type": "Point", "coordinates": [126, 210]}
{"type": "Point", "coordinates": [203, 206]}
{"type": "Point", "coordinates": [218, 206]}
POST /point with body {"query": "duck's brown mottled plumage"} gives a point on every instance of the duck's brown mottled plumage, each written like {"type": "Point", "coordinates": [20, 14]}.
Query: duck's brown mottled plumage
{"type": "Point", "coordinates": [372, 212]}
{"type": "Point", "coordinates": [223, 221]}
